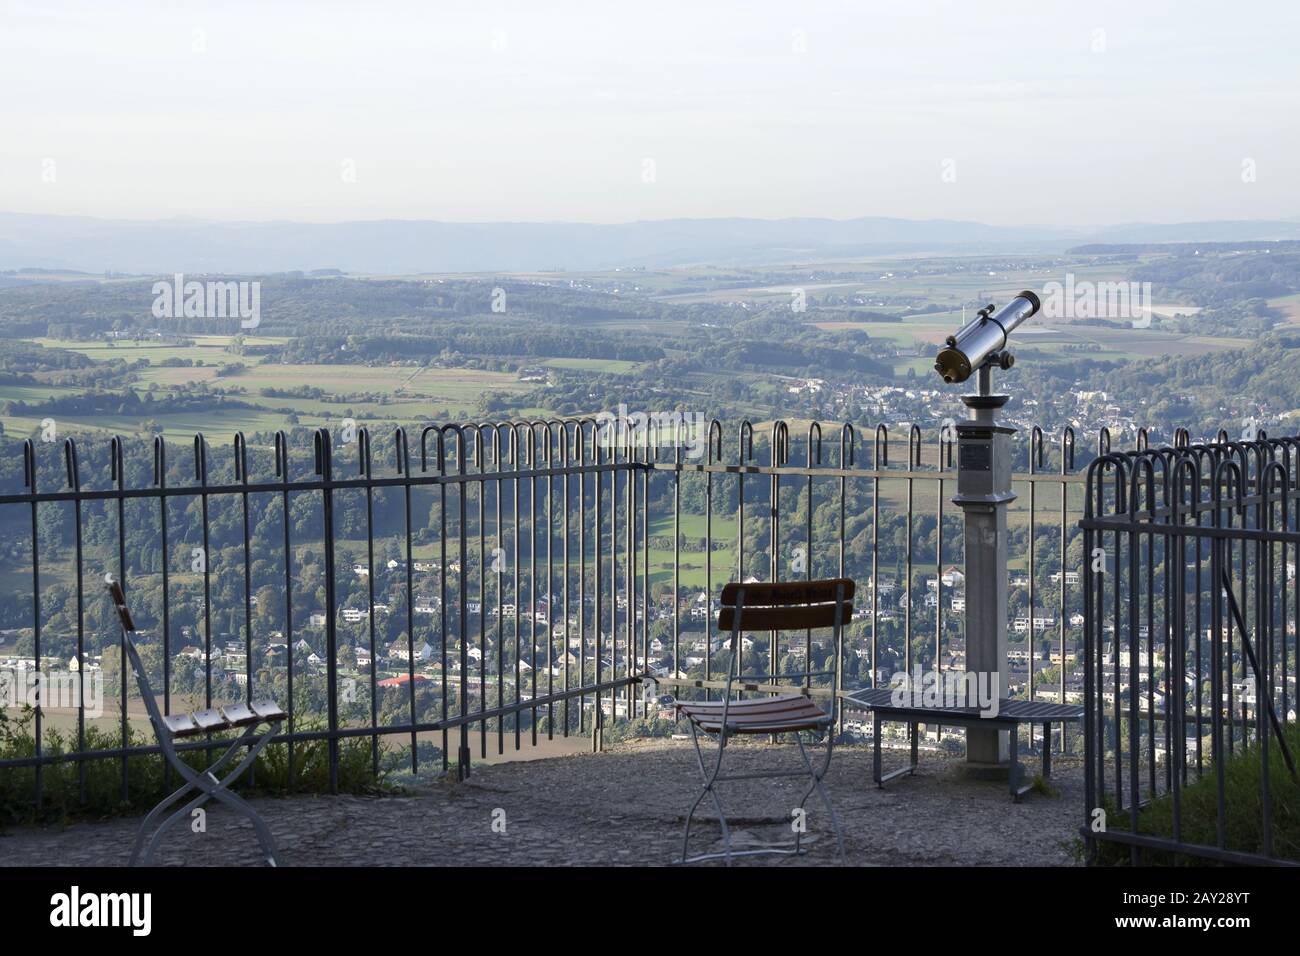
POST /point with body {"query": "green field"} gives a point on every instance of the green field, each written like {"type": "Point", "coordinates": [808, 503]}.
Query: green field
{"type": "Point", "coordinates": [372, 394]}
{"type": "Point", "coordinates": [599, 366]}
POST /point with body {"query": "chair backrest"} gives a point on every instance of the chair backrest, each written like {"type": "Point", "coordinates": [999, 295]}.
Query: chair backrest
{"type": "Point", "coordinates": [128, 628]}
{"type": "Point", "coordinates": [787, 605]}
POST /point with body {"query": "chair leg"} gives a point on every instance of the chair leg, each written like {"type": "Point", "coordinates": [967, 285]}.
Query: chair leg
{"type": "Point", "coordinates": [816, 784]}
{"type": "Point", "coordinates": [240, 805]}
{"type": "Point", "coordinates": [209, 787]}
{"type": "Point", "coordinates": [167, 824]}
{"type": "Point", "coordinates": [709, 787]}
{"type": "Point", "coordinates": [150, 817]}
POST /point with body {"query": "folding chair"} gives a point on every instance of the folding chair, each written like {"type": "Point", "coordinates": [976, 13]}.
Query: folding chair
{"type": "Point", "coordinates": [799, 605]}
{"type": "Point", "coordinates": [169, 729]}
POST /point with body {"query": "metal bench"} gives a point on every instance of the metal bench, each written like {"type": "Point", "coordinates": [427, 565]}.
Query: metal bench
{"type": "Point", "coordinates": [1011, 714]}
{"type": "Point", "coordinates": [797, 605]}
{"type": "Point", "coordinates": [172, 727]}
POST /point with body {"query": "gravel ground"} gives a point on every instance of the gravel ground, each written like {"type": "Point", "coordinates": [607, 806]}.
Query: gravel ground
{"type": "Point", "coordinates": [625, 806]}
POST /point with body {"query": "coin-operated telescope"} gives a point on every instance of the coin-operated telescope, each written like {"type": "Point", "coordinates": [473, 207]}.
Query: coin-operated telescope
{"type": "Point", "coordinates": [984, 493]}
{"type": "Point", "coordinates": [982, 342]}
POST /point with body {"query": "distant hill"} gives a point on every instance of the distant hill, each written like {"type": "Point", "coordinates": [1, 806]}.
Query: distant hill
{"type": "Point", "coordinates": [66, 243]}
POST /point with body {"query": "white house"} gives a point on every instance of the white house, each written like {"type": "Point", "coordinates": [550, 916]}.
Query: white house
{"type": "Point", "coordinates": [398, 651]}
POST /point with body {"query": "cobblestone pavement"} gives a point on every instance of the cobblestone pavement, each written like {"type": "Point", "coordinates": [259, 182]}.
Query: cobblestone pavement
{"type": "Point", "coordinates": [625, 806]}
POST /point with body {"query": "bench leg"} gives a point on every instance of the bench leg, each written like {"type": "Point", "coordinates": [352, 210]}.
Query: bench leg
{"type": "Point", "coordinates": [877, 771]}
{"type": "Point", "coordinates": [1013, 771]}
{"type": "Point", "coordinates": [1016, 773]}
{"type": "Point", "coordinates": [875, 754]}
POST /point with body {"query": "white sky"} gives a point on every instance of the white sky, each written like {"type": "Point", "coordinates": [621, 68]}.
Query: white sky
{"type": "Point", "coordinates": [548, 110]}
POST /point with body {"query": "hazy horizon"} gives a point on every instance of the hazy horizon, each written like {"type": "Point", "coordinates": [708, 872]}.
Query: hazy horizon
{"type": "Point", "coordinates": [335, 112]}
{"type": "Point", "coordinates": [1043, 224]}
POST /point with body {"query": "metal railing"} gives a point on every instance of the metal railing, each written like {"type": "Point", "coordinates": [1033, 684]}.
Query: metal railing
{"type": "Point", "coordinates": [518, 581]}
{"type": "Point", "coordinates": [1191, 611]}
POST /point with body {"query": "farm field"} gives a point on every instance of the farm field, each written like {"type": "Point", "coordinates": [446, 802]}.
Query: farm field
{"type": "Point", "coordinates": [600, 366]}
{"type": "Point", "coordinates": [206, 348]}
{"type": "Point", "coordinates": [394, 394]}
{"type": "Point", "coordinates": [1289, 306]}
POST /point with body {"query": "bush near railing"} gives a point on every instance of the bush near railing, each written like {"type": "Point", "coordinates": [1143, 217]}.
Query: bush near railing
{"type": "Point", "coordinates": [61, 793]}
{"type": "Point", "coordinates": [1243, 800]}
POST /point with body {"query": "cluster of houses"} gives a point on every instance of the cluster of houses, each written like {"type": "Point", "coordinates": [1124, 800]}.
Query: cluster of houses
{"type": "Point", "coordinates": [1086, 410]}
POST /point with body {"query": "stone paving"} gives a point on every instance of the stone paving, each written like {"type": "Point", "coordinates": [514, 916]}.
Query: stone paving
{"type": "Point", "coordinates": [625, 806]}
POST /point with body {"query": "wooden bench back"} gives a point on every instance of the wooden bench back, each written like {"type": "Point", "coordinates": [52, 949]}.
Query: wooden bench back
{"type": "Point", "coordinates": [786, 605]}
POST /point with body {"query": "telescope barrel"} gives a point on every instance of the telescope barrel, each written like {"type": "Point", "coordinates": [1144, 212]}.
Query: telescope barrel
{"type": "Point", "coordinates": [982, 337]}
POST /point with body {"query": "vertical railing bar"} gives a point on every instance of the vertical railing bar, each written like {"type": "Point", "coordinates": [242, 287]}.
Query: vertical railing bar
{"type": "Point", "coordinates": [1089, 714]}
{"type": "Point", "coordinates": [117, 468]}
{"type": "Point", "coordinates": [598, 533]}
{"type": "Point", "coordinates": [774, 545]}
{"type": "Point", "coordinates": [550, 588]}
{"type": "Point", "coordinates": [325, 468]}
{"type": "Point", "coordinates": [1134, 669]}
{"type": "Point", "coordinates": [407, 533]}
{"type": "Point", "coordinates": [913, 462]}
{"type": "Point", "coordinates": [160, 482]}
{"type": "Point", "coordinates": [1198, 624]}
{"type": "Point", "coordinates": [582, 575]}
{"type": "Point", "coordinates": [1116, 596]}
{"type": "Point", "coordinates": [1033, 571]}
{"type": "Point", "coordinates": [74, 481]}
{"type": "Point", "coordinates": [532, 577]}
{"type": "Point", "coordinates": [201, 469]}
{"type": "Point", "coordinates": [938, 573]}
{"type": "Point", "coordinates": [677, 578]}
{"type": "Point", "coordinates": [564, 590]}
{"type": "Point", "coordinates": [877, 462]}
{"type": "Point", "coordinates": [241, 464]}
{"type": "Point", "coordinates": [846, 461]}
{"type": "Point", "coordinates": [402, 459]}
{"type": "Point", "coordinates": [515, 594]}
{"type": "Point", "coordinates": [363, 451]}
{"type": "Point", "coordinates": [442, 600]}
{"type": "Point", "coordinates": [1176, 658]}
{"type": "Point", "coordinates": [644, 666]}
{"type": "Point", "coordinates": [1216, 679]}
{"type": "Point", "coordinates": [616, 441]}
{"type": "Point", "coordinates": [708, 559]}
{"type": "Point", "coordinates": [29, 457]}
{"type": "Point", "coordinates": [1066, 436]}
{"type": "Point", "coordinates": [462, 579]}
{"type": "Point", "coordinates": [629, 573]}
{"type": "Point", "coordinates": [740, 532]}
{"type": "Point", "coordinates": [1150, 538]}
{"type": "Point", "coordinates": [481, 486]}
{"type": "Point", "coordinates": [808, 543]}
{"type": "Point", "coordinates": [1263, 579]}
{"type": "Point", "coordinates": [282, 471]}
{"type": "Point", "coordinates": [500, 589]}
